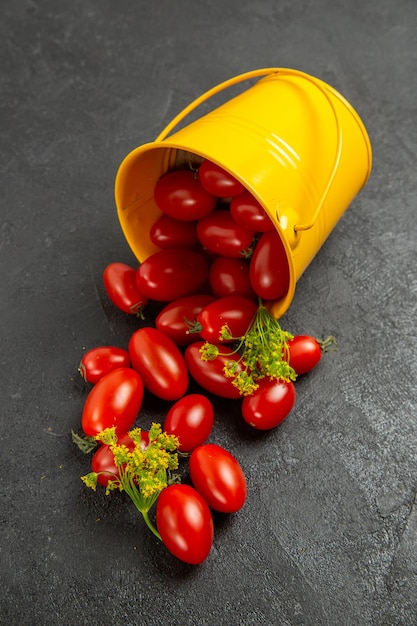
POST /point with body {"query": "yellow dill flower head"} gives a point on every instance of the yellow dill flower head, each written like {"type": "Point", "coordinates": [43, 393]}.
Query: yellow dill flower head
{"type": "Point", "coordinates": [90, 480]}
{"type": "Point", "coordinates": [208, 352]}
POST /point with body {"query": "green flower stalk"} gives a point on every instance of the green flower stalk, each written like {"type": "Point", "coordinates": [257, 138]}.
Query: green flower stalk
{"type": "Point", "coordinates": [263, 353]}
{"type": "Point", "coordinates": [142, 473]}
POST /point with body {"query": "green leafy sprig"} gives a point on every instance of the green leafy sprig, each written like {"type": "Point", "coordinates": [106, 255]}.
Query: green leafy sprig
{"type": "Point", "coordinates": [142, 473]}
{"type": "Point", "coordinates": [263, 353]}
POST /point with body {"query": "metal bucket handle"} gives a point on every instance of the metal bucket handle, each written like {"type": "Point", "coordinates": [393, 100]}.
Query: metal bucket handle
{"type": "Point", "coordinates": [254, 74]}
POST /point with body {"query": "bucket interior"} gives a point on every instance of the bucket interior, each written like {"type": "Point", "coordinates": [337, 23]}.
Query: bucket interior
{"type": "Point", "coordinates": [292, 141]}
{"type": "Point", "coordinates": [138, 211]}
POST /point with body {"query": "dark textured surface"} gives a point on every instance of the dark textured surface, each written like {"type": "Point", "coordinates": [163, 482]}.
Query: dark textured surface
{"type": "Point", "coordinates": [329, 533]}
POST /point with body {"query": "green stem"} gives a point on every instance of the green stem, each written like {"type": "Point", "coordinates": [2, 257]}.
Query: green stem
{"type": "Point", "coordinates": [150, 525]}
{"type": "Point", "coordinates": [193, 327]}
{"type": "Point", "coordinates": [142, 504]}
{"type": "Point", "coordinates": [328, 345]}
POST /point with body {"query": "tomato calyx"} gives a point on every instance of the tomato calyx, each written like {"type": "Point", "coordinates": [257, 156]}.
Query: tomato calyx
{"type": "Point", "coordinates": [82, 370]}
{"type": "Point", "coordinates": [143, 473]}
{"type": "Point", "coordinates": [329, 344]}
{"type": "Point", "coordinates": [248, 252]}
{"type": "Point", "coordinates": [84, 442]}
{"type": "Point", "coordinates": [193, 326]}
{"type": "Point", "coordinates": [137, 309]}
{"type": "Point", "coordinates": [263, 351]}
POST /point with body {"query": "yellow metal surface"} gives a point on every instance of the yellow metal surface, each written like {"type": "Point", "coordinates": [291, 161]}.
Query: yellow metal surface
{"type": "Point", "coordinates": [292, 140]}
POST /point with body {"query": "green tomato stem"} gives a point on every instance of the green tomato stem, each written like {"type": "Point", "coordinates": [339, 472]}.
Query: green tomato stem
{"type": "Point", "coordinates": [193, 327]}
{"type": "Point", "coordinates": [328, 345]}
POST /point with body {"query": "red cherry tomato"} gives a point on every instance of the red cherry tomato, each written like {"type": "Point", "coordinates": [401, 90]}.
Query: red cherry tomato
{"type": "Point", "coordinates": [103, 463]}
{"type": "Point", "coordinates": [191, 420]}
{"type": "Point", "coordinates": [269, 272]}
{"type": "Point", "coordinates": [230, 277]}
{"type": "Point", "coordinates": [220, 233]}
{"type": "Point", "coordinates": [305, 353]}
{"type": "Point", "coordinates": [99, 361]}
{"type": "Point", "coordinates": [210, 374]}
{"type": "Point", "coordinates": [246, 211]}
{"type": "Point", "coordinates": [185, 523]}
{"type": "Point", "coordinates": [234, 311]}
{"type": "Point", "coordinates": [217, 181]}
{"type": "Point", "coordinates": [121, 288]}
{"type": "Point", "coordinates": [171, 274]}
{"type": "Point", "coordinates": [269, 405]}
{"type": "Point", "coordinates": [168, 232]}
{"type": "Point", "coordinates": [180, 194]}
{"type": "Point", "coordinates": [114, 401]}
{"type": "Point", "coordinates": [218, 477]}
{"type": "Point", "coordinates": [172, 320]}
{"type": "Point", "coordinates": [159, 362]}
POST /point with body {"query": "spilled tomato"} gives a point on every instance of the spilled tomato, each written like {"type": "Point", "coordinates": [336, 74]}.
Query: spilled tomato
{"type": "Point", "coordinates": [269, 405]}
{"type": "Point", "coordinates": [159, 362]}
{"type": "Point", "coordinates": [121, 288]}
{"type": "Point", "coordinates": [218, 477]}
{"type": "Point", "coordinates": [114, 401]}
{"type": "Point", "coordinates": [185, 523]}
{"type": "Point", "coordinates": [190, 419]}
{"type": "Point", "coordinates": [210, 374]}
{"type": "Point", "coordinates": [175, 318]}
{"type": "Point", "coordinates": [99, 361]}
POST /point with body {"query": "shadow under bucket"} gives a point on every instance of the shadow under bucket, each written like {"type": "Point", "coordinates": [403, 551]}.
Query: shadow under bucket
{"type": "Point", "coordinates": [292, 140]}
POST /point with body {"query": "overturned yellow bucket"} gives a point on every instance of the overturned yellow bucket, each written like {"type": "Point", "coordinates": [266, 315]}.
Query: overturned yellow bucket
{"type": "Point", "coordinates": [292, 140]}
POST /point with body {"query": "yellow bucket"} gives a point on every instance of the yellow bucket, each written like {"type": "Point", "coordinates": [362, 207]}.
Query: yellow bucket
{"type": "Point", "coordinates": [292, 140]}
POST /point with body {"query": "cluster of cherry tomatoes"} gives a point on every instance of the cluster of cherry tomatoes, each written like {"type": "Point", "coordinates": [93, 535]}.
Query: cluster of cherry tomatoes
{"type": "Point", "coordinates": [183, 515]}
{"type": "Point", "coordinates": [219, 256]}
{"type": "Point", "coordinates": [212, 231]}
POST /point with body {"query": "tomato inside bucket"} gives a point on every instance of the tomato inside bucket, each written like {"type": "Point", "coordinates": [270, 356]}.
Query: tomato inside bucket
{"type": "Point", "coordinates": [198, 206]}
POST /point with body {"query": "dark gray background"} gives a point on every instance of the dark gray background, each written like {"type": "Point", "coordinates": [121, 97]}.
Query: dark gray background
{"type": "Point", "coordinates": [329, 532]}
